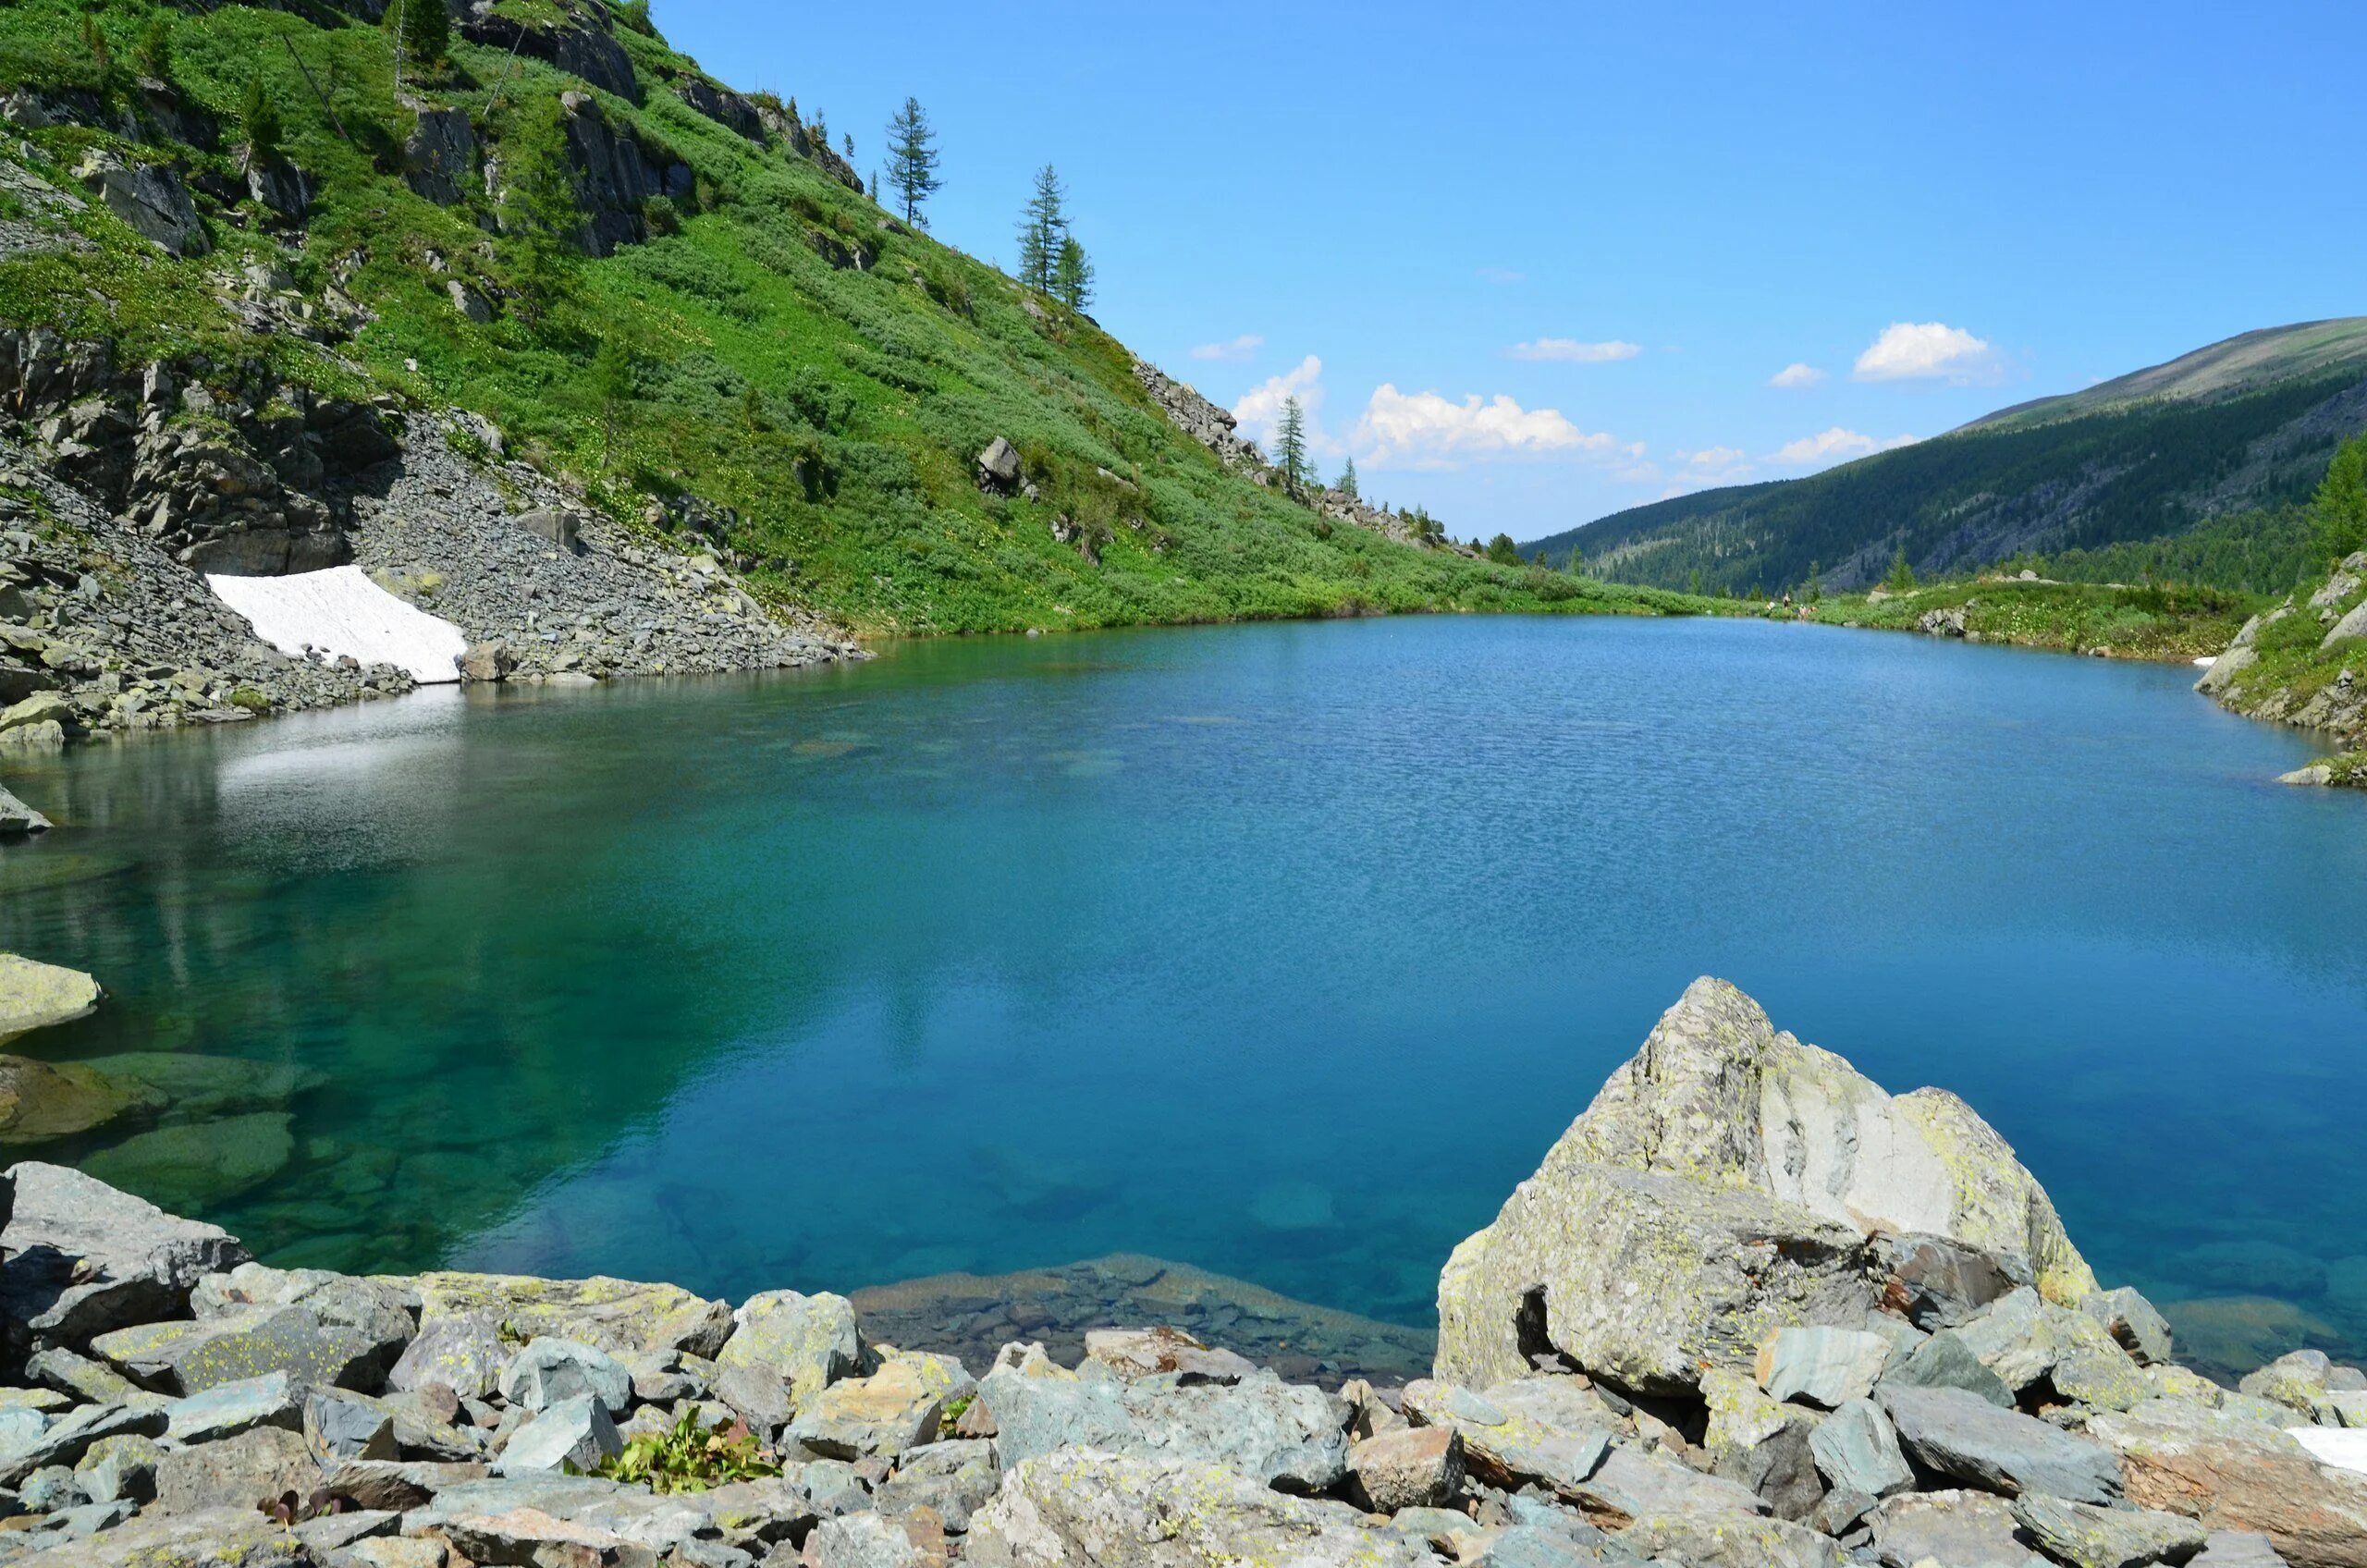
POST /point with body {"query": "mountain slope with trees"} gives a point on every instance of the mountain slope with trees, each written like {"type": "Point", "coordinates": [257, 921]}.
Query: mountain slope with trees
{"type": "Point", "coordinates": [679, 301]}
{"type": "Point", "coordinates": [2218, 445]}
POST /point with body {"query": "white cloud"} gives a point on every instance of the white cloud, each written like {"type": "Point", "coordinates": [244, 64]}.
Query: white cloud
{"type": "Point", "coordinates": [1571, 351]}
{"type": "Point", "coordinates": [1260, 408]}
{"type": "Point", "coordinates": [1927, 350]}
{"type": "Point", "coordinates": [1425, 430]}
{"type": "Point", "coordinates": [1240, 347]}
{"type": "Point", "coordinates": [1837, 445]}
{"type": "Point", "coordinates": [1795, 374]}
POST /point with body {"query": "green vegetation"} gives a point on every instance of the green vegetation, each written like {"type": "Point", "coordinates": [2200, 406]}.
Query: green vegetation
{"type": "Point", "coordinates": [2229, 437]}
{"type": "Point", "coordinates": [779, 348]}
{"type": "Point", "coordinates": [687, 1457]}
{"type": "Point", "coordinates": [2258, 551]}
{"type": "Point", "coordinates": [2141, 622]}
{"type": "Point", "coordinates": [2338, 511]}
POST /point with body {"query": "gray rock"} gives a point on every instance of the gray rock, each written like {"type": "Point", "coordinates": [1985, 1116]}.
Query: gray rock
{"type": "Point", "coordinates": [266, 1461]}
{"type": "Point", "coordinates": [17, 819]}
{"type": "Point", "coordinates": [2238, 1549]}
{"type": "Point", "coordinates": [1955, 1529]}
{"type": "Point", "coordinates": [190, 1357]}
{"type": "Point", "coordinates": [2239, 1474]}
{"type": "Point", "coordinates": [2301, 1380]}
{"type": "Point", "coordinates": [860, 1540]}
{"type": "Point", "coordinates": [999, 466]}
{"type": "Point", "coordinates": [621, 1317]}
{"type": "Point", "coordinates": [83, 1258]}
{"type": "Point", "coordinates": [66, 1440]}
{"type": "Point", "coordinates": [2131, 1319]}
{"type": "Point", "coordinates": [550, 1371]}
{"type": "Point", "coordinates": [1152, 1353]}
{"type": "Point", "coordinates": [227, 1409]}
{"type": "Point", "coordinates": [1944, 1361]}
{"type": "Point", "coordinates": [376, 1311]}
{"type": "Point", "coordinates": [1857, 1451]}
{"type": "Point", "coordinates": [1967, 1439]}
{"type": "Point", "coordinates": [795, 1344]}
{"type": "Point", "coordinates": [1723, 1185]}
{"type": "Point", "coordinates": [463, 1354]}
{"type": "Point", "coordinates": [1631, 1483]}
{"type": "Point", "coordinates": [440, 156]}
{"type": "Point", "coordinates": [2023, 1338]}
{"type": "Point", "coordinates": [119, 1469]}
{"type": "Point", "coordinates": [2352, 626]}
{"type": "Point", "coordinates": [1729, 1542]}
{"type": "Point", "coordinates": [898, 1407]}
{"type": "Point", "coordinates": [342, 1426]}
{"type": "Point", "coordinates": [1547, 1430]}
{"type": "Point", "coordinates": [576, 1431]}
{"type": "Point", "coordinates": [1077, 1509]}
{"type": "Point", "coordinates": [550, 525]}
{"type": "Point", "coordinates": [2084, 1535]}
{"type": "Point", "coordinates": [1277, 1435]}
{"type": "Point", "coordinates": [1826, 1367]}
{"type": "Point", "coordinates": [19, 1429]}
{"type": "Point", "coordinates": [954, 1479]}
{"type": "Point", "coordinates": [227, 1538]}
{"type": "Point", "coordinates": [488, 663]}
{"type": "Point", "coordinates": [1414, 1467]}
{"type": "Point", "coordinates": [399, 1487]}
{"type": "Point", "coordinates": [334, 1532]}
{"type": "Point", "coordinates": [1939, 1282]}
{"type": "Point", "coordinates": [152, 199]}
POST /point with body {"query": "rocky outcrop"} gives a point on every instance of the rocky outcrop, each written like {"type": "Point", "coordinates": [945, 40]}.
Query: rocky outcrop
{"type": "Point", "coordinates": [722, 105]}
{"type": "Point", "coordinates": [1730, 1180]}
{"type": "Point", "coordinates": [152, 199]}
{"type": "Point", "coordinates": [167, 1382]}
{"type": "Point", "coordinates": [581, 40]}
{"type": "Point", "coordinates": [17, 819]}
{"type": "Point", "coordinates": [41, 996]}
{"type": "Point", "coordinates": [614, 177]}
{"type": "Point", "coordinates": [440, 159]}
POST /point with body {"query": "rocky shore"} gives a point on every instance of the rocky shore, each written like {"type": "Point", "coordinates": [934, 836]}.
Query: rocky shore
{"type": "Point", "coordinates": [1750, 1310]}
{"type": "Point", "coordinates": [122, 486]}
{"type": "Point", "coordinates": [2297, 665]}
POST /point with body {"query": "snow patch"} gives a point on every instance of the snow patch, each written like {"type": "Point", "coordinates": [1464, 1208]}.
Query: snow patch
{"type": "Point", "coordinates": [341, 611]}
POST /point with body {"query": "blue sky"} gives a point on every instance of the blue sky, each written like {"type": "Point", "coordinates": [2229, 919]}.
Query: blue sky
{"type": "Point", "coordinates": [1535, 263]}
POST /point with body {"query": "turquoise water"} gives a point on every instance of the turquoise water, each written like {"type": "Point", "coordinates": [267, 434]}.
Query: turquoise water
{"type": "Point", "coordinates": [1282, 950]}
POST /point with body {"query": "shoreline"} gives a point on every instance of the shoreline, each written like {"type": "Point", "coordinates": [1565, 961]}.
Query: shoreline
{"type": "Point", "coordinates": [1754, 1340]}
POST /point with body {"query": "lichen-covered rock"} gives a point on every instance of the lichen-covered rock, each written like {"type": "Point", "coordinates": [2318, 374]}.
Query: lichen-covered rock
{"type": "Point", "coordinates": [1078, 1509]}
{"type": "Point", "coordinates": [1959, 1529]}
{"type": "Point", "coordinates": [786, 1348]}
{"type": "Point", "coordinates": [896, 1408]}
{"type": "Point", "coordinates": [617, 1315]}
{"type": "Point", "coordinates": [1631, 1483]}
{"type": "Point", "coordinates": [550, 1370]}
{"type": "Point", "coordinates": [190, 1357]}
{"type": "Point", "coordinates": [17, 819]}
{"type": "Point", "coordinates": [36, 996]}
{"type": "Point", "coordinates": [1718, 1128]}
{"type": "Point", "coordinates": [576, 1432]}
{"type": "Point", "coordinates": [1413, 1467]}
{"type": "Point", "coordinates": [1729, 1542]}
{"type": "Point", "coordinates": [2084, 1535]}
{"type": "Point", "coordinates": [463, 1353]}
{"type": "Point", "coordinates": [1153, 1352]}
{"type": "Point", "coordinates": [236, 1472]}
{"type": "Point", "coordinates": [1856, 1449]}
{"type": "Point", "coordinates": [1547, 1430]}
{"type": "Point", "coordinates": [2133, 1323]}
{"type": "Point", "coordinates": [231, 1537]}
{"type": "Point", "coordinates": [1824, 1367]}
{"type": "Point", "coordinates": [1275, 1433]}
{"type": "Point", "coordinates": [228, 1409]}
{"type": "Point", "coordinates": [1642, 1278]}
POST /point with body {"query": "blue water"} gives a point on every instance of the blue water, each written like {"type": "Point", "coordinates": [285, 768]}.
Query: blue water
{"type": "Point", "coordinates": [1284, 950]}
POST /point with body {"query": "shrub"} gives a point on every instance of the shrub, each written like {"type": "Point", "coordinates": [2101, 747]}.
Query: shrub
{"type": "Point", "coordinates": [687, 1458]}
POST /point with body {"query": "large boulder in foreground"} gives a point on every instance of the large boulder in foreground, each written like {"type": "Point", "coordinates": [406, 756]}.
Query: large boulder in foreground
{"type": "Point", "coordinates": [83, 1258]}
{"type": "Point", "coordinates": [1725, 1183]}
{"type": "Point", "coordinates": [35, 995]}
{"type": "Point", "coordinates": [2229, 1472]}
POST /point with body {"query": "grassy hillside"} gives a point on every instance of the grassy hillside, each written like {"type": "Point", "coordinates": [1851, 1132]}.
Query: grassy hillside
{"type": "Point", "coordinates": [2238, 430]}
{"type": "Point", "coordinates": [2106, 620]}
{"type": "Point", "coordinates": [768, 355]}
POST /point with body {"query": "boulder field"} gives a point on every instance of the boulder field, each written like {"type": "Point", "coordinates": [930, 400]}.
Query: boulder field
{"type": "Point", "coordinates": [1751, 1312]}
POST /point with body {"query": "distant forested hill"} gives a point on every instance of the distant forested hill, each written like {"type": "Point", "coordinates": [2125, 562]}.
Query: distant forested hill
{"type": "Point", "coordinates": [2213, 449]}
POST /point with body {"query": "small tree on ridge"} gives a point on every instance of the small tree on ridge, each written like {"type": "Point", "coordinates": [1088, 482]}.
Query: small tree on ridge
{"type": "Point", "coordinates": [912, 160]}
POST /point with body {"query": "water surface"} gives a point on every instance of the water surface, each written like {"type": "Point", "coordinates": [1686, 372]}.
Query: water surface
{"type": "Point", "coordinates": [1281, 951]}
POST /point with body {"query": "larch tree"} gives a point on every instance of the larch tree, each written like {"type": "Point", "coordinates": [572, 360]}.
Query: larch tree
{"type": "Point", "coordinates": [1042, 225]}
{"type": "Point", "coordinates": [1289, 445]}
{"type": "Point", "coordinates": [912, 160]}
{"type": "Point", "coordinates": [1347, 485]}
{"type": "Point", "coordinates": [1073, 274]}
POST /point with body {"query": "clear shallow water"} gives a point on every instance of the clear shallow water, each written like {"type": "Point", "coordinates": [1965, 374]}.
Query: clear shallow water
{"type": "Point", "coordinates": [1283, 950]}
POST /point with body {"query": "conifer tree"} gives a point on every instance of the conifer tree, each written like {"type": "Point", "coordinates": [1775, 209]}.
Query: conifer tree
{"type": "Point", "coordinates": [1347, 485]}
{"type": "Point", "coordinates": [259, 122]}
{"type": "Point", "coordinates": [1290, 445]}
{"type": "Point", "coordinates": [1073, 274]}
{"type": "Point", "coordinates": [1902, 575]}
{"type": "Point", "coordinates": [1042, 225]}
{"type": "Point", "coordinates": [912, 160]}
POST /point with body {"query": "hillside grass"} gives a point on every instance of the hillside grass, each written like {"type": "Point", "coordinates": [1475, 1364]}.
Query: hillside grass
{"type": "Point", "coordinates": [2114, 622]}
{"type": "Point", "coordinates": [836, 409]}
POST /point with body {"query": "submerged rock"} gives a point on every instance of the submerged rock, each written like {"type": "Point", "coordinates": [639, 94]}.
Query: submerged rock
{"type": "Point", "coordinates": [199, 1165]}
{"type": "Point", "coordinates": [40, 1102]}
